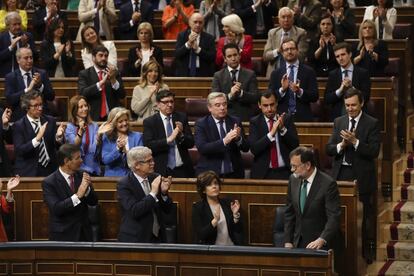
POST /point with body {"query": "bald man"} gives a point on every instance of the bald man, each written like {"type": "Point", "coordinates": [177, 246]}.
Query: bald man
{"type": "Point", "coordinates": [195, 51]}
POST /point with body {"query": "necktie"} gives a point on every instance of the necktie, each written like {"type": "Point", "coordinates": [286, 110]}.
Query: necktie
{"type": "Point", "coordinates": [346, 73]}
{"type": "Point", "coordinates": [28, 79]}
{"type": "Point", "coordinates": [380, 28]}
{"type": "Point", "coordinates": [291, 94]}
{"type": "Point", "coordinates": [193, 64]}
{"type": "Point", "coordinates": [136, 6]}
{"type": "Point", "coordinates": [87, 141]}
{"type": "Point", "coordinates": [285, 35]}
{"type": "Point", "coordinates": [103, 97]}
{"type": "Point", "coordinates": [273, 149]}
{"type": "Point", "coordinates": [233, 75]}
{"type": "Point", "coordinates": [349, 150]}
{"type": "Point", "coordinates": [155, 224]}
{"type": "Point", "coordinates": [171, 150]}
{"type": "Point", "coordinates": [72, 183]}
{"type": "Point", "coordinates": [226, 165]}
{"type": "Point", "coordinates": [96, 22]}
{"type": "Point", "coordinates": [303, 195]}
{"type": "Point", "coordinates": [43, 157]}
{"type": "Point", "coordinates": [146, 186]}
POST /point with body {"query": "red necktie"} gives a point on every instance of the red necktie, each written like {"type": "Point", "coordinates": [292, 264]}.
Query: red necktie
{"type": "Point", "coordinates": [103, 97]}
{"type": "Point", "coordinates": [72, 183]}
{"type": "Point", "coordinates": [273, 149]}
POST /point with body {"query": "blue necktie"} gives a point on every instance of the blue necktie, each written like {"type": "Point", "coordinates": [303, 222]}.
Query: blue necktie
{"type": "Point", "coordinates": [193, 65]}
{"type": "Point", "coordinates": [226, 166]}
{"type": "Point", "coordinates": [171, 149]}
{"type": "Point", "coordinates": [303, 195]}
{"type": "Point", "coordinates": [291, 94]}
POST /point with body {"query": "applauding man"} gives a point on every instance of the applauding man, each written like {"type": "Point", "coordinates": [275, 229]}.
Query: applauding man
{"type": "Point", "coordinates": [67, 193]}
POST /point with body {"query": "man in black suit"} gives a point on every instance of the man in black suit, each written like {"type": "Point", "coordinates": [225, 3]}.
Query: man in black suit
{"type": "Point", "coordinates": [355, 144]}
{"type": "Point", "coordinates": [271, 137]}
{"type": "Point", "coordinates": [131, 14]}
{"type": "Point", "coordinates": [312, 217]}
{"type": "Point", "coordinates": [24, 79]}
{"type": "Point", "coordinates": [195, 50]}
{"type": "Point", "coordinates": [44, 15]}
{"type": "Point", "coordinates": [35, 138]}
{"type": "Point", "coordinates": [143, 198]}
{"type": "Point", "coordinates": [101, 84]}
{"type": "Point", "coordinates": [341, 79]}
{"type": "Point", "coordinates": [169, 136]}
{"type": "Point", "coordinates": [67, 193]}
{"type": "Point", "coordinates": [11, 40]}
{"type": "Point", "coordinates": [239, 84]}
{"type": "Point", "coordinates": [219, 138]}
{"type": "Point", "coordinates": [294, 84]}
{"type": "Point", "coordinates": [257, 15]}
{"type": "Point", "coordinates": [5, 134]}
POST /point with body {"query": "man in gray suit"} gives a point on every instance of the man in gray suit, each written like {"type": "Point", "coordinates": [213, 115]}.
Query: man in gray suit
{"type": "Point", "coordinates": [272, 54]}
{"type": "Point", "coordinates": [239, 84]}
{"type": "Point", "coordinates": [312, 217]}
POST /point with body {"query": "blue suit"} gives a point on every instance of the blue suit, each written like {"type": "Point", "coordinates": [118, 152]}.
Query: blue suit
{"type": "Point", "coordinates": [7, 57]}
{"type": "Point", "coordinates": [90, 163]}
{"type": "Point", "coordinates": [14, 88]}
{"type": "Point", "coordinates": [115, 161]}
{"type": "Point", "coordinates": [212, 149]}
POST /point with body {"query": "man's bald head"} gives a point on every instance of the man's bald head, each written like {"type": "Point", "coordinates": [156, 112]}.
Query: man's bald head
{"type": "Point", "coordinates": [196, 22]}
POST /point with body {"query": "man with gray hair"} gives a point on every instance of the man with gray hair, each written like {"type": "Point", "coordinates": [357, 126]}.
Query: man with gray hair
{"type": "Point", "coordinates": [272, 53]}
{"type": "Point", "coordinates": [143, 198]}
{"type": "Point", "coordinates": [11, 40]}
{"type": "Point", "coordinates": [219, 138]}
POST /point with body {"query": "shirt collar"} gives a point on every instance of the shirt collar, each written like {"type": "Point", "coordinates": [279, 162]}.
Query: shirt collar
{"type": "Point", "coordinates": [139, 178]}
{"type": "Point", "coordinates": [357, 118]}
{"type": "Point", "coordinates": [218, 120]}
{"type": "Point", "coordinates": [267, 119]}
{"type": "Point", "coordinates": [24, 72]}
{"type": "Point", "coordinates": [230, 69]}
{"type": "Point", "coordinates": [164, 116]}
{"type": "Point", "coordinates": [350, 68]}
{"type": "Point", "coordinates": [312, 176]}
{"type": "Point", "coordinates": [65, 175]}
{"type": "Point", "coordinates": [98, 70]}
{"type": "Point", "coordinates": [296, 64]}
{"type": "Point", "coordinates": [32, 119]}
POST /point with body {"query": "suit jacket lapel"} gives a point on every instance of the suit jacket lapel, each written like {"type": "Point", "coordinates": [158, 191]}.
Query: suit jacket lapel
{"type": "Point", "coordinates": [213, 127]}
{"type": "Point", "coordinates": [64, 184]}
{"type": "Point", "coordinates": [160, 123]}
{"type": "Point", "coordinates": [316, 185]}
{"type": "Point", "coordinates": [136, 186]}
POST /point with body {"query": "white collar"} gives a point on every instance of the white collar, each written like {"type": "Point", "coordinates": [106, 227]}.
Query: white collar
{"type": "Point", "coordinates": [230, 69]}
{"type": "Point", "coordinates": [357, 118]}
{"type": "Point", "coordinates": [312, 176]}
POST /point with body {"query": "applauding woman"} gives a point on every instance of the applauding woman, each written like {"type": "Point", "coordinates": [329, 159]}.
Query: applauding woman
{"type": "Point", "coordinates": [82, 132]}
{"type": "Point", "coordinates": [117, 140]}
{"type": "Point", "coordinates": [57, 52]}
{"type": "Point", "coordinates": [143, 102]}
{"type": "Point", "coordinates": [144, 52]}
{"type": "Point", "coordinates": [344, 19]}
{"type": "Point", "coordinates": [384, 16]}
{"type": "Point", "coordinates": [6, 203]}
{"type": "Point", "coordinates": [215, 220]}
{"type": "Point", "coordinates": [213, 11]}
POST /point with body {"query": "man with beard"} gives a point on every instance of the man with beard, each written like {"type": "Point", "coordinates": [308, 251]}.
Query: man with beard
{"type": "Point", "coordinates": [101, 84]}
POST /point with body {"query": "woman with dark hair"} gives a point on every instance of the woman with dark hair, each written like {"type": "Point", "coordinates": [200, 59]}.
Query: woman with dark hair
{"type": "Point", "coordinates": [11, 6]}
{"type": "Point", "coordinates": [371, 53]}
{"type": "Point", "coordinates": [90, 40]}
{"type": "Point", "coordinates": [117, 140]}
{"type": "Point", "coordinates": [344, 19]}
{"type": "Point", "coordinates": [82, 132]}
{"type": "Point", "coordinates": [384, 16]}
{"type": "Point", "coordinates": [57, 52]}
{"type": "Point", "coordinates": [6, 203]}
{"type": "Point", "coordinates": [215, 220]}
{"type": "Point", "coordinates": [145, 51]}
{"type": "Point", "coordinates": [321, 53]}
{"type": "Point", "coordinates": [143, 101]}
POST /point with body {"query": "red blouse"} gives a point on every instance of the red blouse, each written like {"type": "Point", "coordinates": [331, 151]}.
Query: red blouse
{"type": "Point", "coordinates": [246, 53]}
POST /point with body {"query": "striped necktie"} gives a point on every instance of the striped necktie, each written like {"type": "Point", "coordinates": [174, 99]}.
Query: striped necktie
{"type": "Point", "coordinates": [43, 156]}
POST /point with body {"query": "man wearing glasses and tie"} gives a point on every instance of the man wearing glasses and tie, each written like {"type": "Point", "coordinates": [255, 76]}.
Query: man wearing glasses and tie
{"type": "Point", "coordinates": [36, 138]}
{"type": "Point", "coordinates": [144, 200]}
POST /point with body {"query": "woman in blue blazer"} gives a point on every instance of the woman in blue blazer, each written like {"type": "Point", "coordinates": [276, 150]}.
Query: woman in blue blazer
{"type": "Point", "coordinates": [117, 140]}
{"type": "Point", "coordinates": [83, 132]}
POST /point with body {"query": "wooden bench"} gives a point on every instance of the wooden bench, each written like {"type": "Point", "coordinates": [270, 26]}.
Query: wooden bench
{"type": "Point", "coordinates": [258, 200]}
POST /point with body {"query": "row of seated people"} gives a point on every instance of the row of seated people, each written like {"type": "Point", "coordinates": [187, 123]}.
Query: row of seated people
{"type": "Point", "coordinates": [57, 52]}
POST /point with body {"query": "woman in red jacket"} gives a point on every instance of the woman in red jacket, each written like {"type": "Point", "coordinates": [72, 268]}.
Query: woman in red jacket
{"type": "Point", "coordinates": [6, 203]}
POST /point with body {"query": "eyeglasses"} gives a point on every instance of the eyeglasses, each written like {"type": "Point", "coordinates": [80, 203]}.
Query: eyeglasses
{"type": "Point", "coordinates": [36, 106]}
{"type": "Point", "coordinates": [167, 102]}
{"type": "Point", "coordinates": [147, 161]}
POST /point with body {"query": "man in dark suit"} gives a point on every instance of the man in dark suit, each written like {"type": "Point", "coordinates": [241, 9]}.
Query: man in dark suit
{"type": "Point", "coordinates": [271, 137]}
{"type": "Point", "coordinates": [35, 138]}
{"type": "Point", "coordinates": [5, 134]}
{"type": "Point", "coordinates": [294, 84]}
{"type": "Point", "coordinates": [256, 15]}
{"type": "Point", "coordinates": [219, 138]}
{"type": "Point", "coordinates": [24, 79]}
{"type": "Point", "coordinates": [169, 136]}
{"type": "Point", "coordinates": [11, 40]}
{"type": "Point", "coordinates": [341, 79]}
{"type": "Point", "coordinates": [312, 217]}
{"type": "Point", "coordinates": [239, 84]}
{"type": "Point", "coordinates": [101, 84]}
{"type": "Point", "coordinates": [195, 52]}
{"type": "Point", "coordinates": [44, 15]}
{"type": "Point", "coordinates": [144, 200]}
{"type": "Point", "coordinates": [131, 14]}
{"type": "Point", "coordinates": [355, 144]}
{"type": "Point", "coordinates": [67, 193]}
